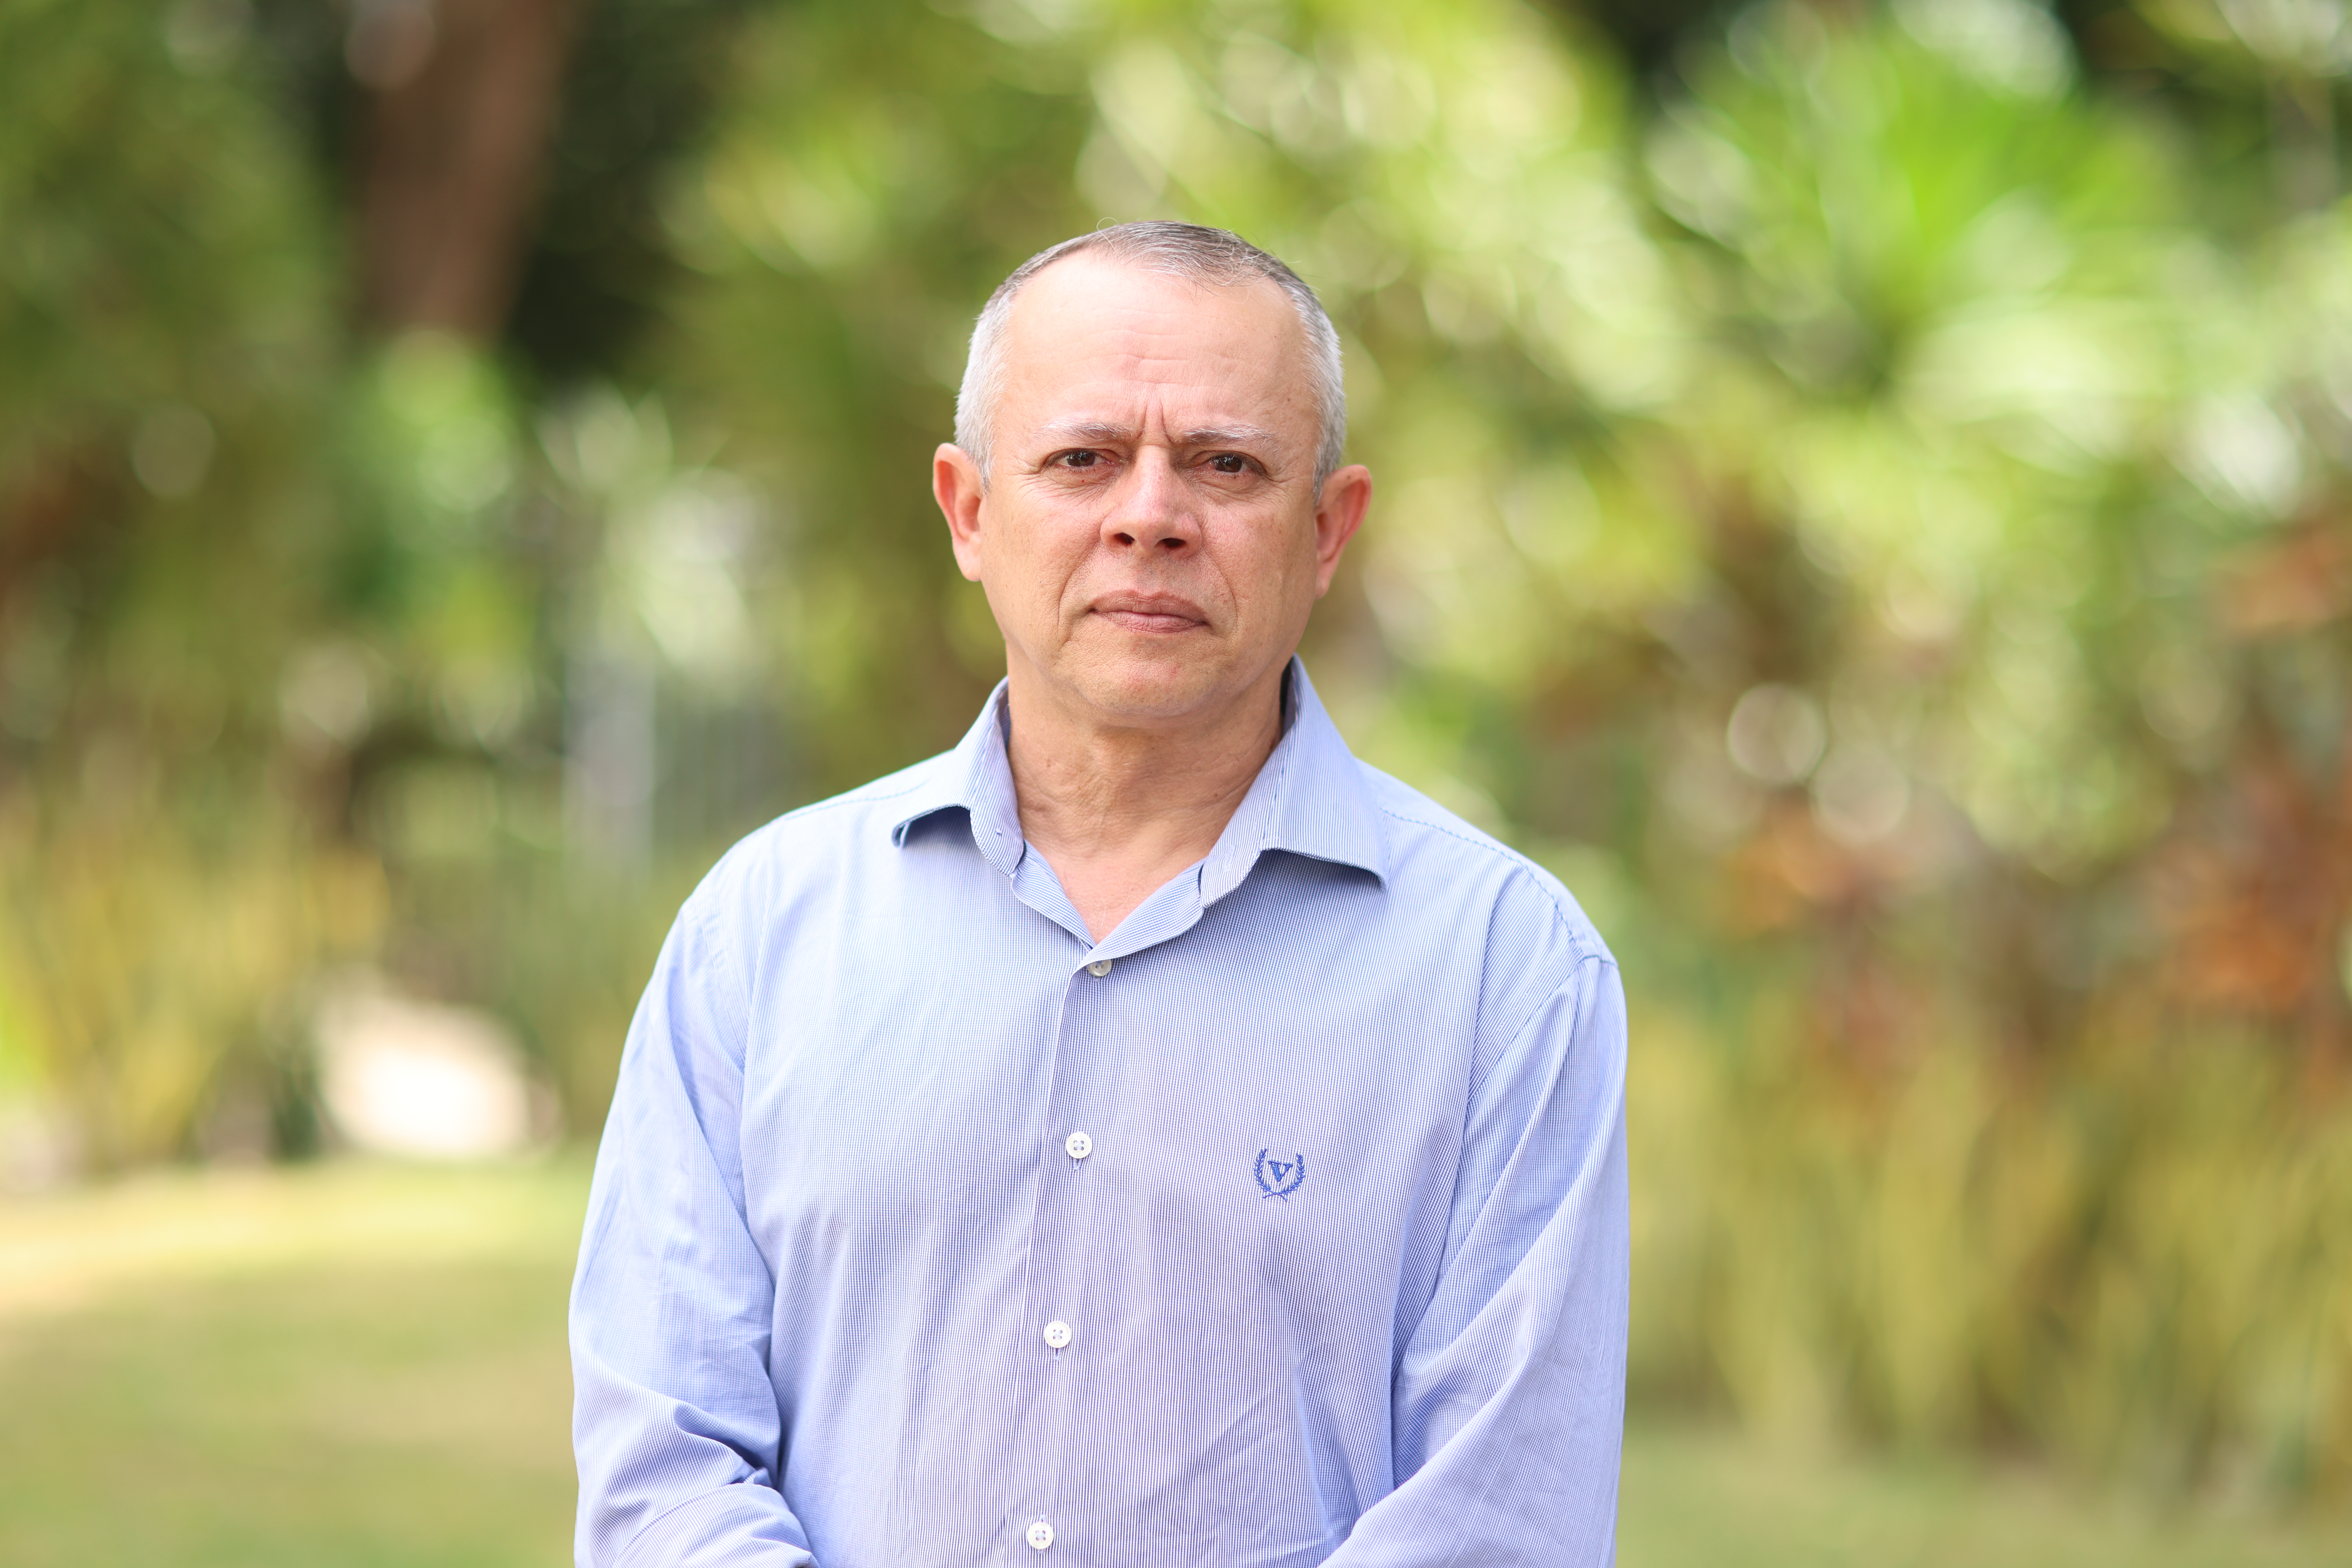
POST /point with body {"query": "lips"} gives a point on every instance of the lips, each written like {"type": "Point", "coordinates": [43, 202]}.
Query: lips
{"type": "Point", "coordinates": [1160, 614]}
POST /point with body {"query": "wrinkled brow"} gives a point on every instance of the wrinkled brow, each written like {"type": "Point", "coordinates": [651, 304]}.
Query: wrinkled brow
{"type": "Point", "coordinates": [1086, 431]}
{"type": "Point", "coordinates": [1231, 435]}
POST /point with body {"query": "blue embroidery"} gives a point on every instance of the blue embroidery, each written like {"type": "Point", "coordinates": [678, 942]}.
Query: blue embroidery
{"type": "Point", "coordinates": [1289, 1174]}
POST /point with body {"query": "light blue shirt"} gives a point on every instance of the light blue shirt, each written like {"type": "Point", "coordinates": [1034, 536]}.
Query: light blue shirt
{"type": "Point", "coordinates": [1285, 1225]}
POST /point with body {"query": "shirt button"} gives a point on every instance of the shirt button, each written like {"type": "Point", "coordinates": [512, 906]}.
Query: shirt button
{"type": "Point", "coordinates": [1098, 968]}
{"type": "Point", "coordinates": [1040, 1535]}
{"type": "Point", "coordinates": [1057, 1334]}
{"type": "Point", "coordinates": [1080, 1145]}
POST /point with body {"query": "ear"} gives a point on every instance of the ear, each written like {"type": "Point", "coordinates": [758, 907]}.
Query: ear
{"type": "Point", "coordinates": [1339, 512]}
{"type": "Point", "coordinates": [956, 485]}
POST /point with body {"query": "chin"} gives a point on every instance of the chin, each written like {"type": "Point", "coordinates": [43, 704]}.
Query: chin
{"type": "Point", "coordinates": [1150, 690]}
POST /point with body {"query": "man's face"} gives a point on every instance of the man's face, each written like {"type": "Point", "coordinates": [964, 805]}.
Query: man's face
{"type": "Point", "coordinates": [1151, 538]}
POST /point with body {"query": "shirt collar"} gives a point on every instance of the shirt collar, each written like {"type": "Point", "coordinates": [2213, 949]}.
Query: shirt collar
{"type": "Point", "coordinates": [978, 777]}
{"type": "Point", "coordinates": [1308, 799]}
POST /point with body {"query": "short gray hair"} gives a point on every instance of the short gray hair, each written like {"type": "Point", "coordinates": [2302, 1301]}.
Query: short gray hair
{"type": "Point", "coordinates": [1187, 250]}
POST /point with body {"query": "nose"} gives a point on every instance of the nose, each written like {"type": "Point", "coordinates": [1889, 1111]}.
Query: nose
{"type": "Point", "coordinates": [1150, 513]}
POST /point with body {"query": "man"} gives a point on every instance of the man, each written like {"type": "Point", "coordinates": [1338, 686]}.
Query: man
{"type": "Point", "coordinates": [1142, 1137]}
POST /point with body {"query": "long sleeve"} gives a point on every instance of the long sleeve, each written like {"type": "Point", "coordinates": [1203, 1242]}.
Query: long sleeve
{"type": "Point", "coordinates": [1509, 1396]}
{"type": "Point", "coordinates": [674, 1420]}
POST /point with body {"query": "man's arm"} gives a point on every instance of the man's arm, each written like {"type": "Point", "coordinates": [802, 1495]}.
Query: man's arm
{"type": "Point", "coordinates": [674, 1418]}
{"type": "Point", "coordinates": [1510, 1396]}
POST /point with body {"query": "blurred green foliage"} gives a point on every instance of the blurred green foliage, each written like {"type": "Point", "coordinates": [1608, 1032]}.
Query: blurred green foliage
{"type": "Point", "coordinates": [1867, 507]}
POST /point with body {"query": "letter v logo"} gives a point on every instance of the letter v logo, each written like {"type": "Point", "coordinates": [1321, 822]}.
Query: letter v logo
{"type": "Point", "coordinates": [1289, 1174]}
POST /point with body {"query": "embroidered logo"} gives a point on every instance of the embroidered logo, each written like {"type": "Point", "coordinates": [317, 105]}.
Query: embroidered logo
{"type": "Point", "coordinates": [1289, 1174]}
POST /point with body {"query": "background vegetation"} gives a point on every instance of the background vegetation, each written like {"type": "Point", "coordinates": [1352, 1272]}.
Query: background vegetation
{"type": "Point", "coordinates": [344, 1364]}
{"type": "Point", "coordinates": [1863, 495]}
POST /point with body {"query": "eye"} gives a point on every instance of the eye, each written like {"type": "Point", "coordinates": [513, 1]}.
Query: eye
{"type": "Point", "coordinates": [1080, 459]}
{"type": "Point", "coordinates": [1230, 463]}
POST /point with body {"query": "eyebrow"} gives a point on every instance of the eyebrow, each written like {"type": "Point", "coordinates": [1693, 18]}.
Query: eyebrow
{"type": "Point", "coordinates": [1087, 431]}
{"type": "Point", "coordinates": [1230, 435]}
{"type": "Point", "coordinates": [1090, 430]}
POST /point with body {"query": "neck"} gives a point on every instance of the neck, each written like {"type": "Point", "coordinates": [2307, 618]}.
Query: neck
{"type": "Point", "coordinates": [1116, 809]}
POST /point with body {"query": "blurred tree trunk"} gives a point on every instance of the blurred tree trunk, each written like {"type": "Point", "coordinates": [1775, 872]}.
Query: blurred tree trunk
{"type": "Point", "coordinates": [463, 100]}
{"type": "Point", "coordinates": [40, 514]}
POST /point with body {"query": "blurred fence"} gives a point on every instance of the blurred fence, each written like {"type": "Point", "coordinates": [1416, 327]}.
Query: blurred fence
{"type": "Point", "coordinates": [1868, 507]}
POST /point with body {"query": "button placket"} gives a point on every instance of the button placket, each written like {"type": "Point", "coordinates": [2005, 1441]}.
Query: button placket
{"type": "Point", "coordinates": [1055, 1302]}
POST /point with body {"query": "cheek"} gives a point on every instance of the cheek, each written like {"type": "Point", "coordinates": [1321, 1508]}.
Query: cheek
{"type": "Point", "coordinates": [1032, 562]}
{"type": "Point", "coordinates": [1272, 562]}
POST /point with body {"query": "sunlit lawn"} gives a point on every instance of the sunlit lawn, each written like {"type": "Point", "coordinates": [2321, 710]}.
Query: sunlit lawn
{"type": "Point", "coordinates": [362, 1366]}
{"type": "Point", "coordinates": [346, 1366]}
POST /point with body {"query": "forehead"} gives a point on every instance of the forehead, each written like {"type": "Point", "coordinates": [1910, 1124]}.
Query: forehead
{"type": "Point", "coordinates": [1095, 338]}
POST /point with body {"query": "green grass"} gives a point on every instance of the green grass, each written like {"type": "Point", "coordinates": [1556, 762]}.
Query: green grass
{"type": "Point", "coordinates": [364, 1365]}
{"type": "Point", "coordinates": [377, 1378]}
{"type": "Point", "coordinates": [1697, 1498]}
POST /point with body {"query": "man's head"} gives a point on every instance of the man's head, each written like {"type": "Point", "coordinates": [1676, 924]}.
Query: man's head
{"type": "Point", "coordinates": [1146, 479]}
{"type": "Point", "coordinates": [1206, 257]}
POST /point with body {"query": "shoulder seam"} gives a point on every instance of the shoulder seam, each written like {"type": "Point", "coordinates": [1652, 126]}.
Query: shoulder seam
{"type": "Point", "coordinates": [1582, 947]}
{"type": "Point", "coordinates": [718, 941]}
{"type": "Point", "coordinates": [1574, 975]}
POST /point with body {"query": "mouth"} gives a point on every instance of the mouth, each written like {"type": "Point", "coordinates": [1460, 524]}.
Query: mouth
{"type": "Point", "coordinates": [1160, 615]}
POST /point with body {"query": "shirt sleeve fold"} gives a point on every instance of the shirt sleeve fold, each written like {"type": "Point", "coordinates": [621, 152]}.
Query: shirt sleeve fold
{"type": "Point", "coordinates": [675, 1422]}
{"type": "Point", "coordinates": [1509, 1396]}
